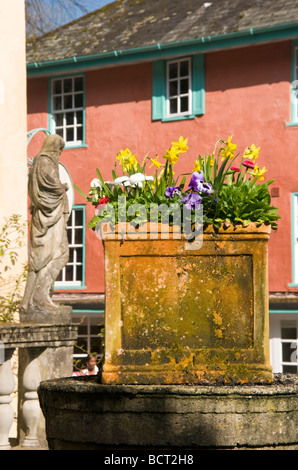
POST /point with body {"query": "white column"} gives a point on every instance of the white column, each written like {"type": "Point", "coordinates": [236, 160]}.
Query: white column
{"type": "Point", "coordinates": [31, 409]}
{"type": "Point", "coordinates": [7, 386]}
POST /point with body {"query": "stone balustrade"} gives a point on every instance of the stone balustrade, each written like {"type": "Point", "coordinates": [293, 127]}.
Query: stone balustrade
{"type": "Point", "coordinates": [44, 352]}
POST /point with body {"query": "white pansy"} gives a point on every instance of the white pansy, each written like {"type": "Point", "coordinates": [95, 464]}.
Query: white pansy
{"type": "Point", "coordinates": [121, 180]}
{"type": "Point", "coordinates": [149, 178]}
{"type": "Point", "coordinates": [95, 183]}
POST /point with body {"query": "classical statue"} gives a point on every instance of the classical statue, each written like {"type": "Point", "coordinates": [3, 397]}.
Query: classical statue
{"type": "Point", "coordinates": [48, 247]}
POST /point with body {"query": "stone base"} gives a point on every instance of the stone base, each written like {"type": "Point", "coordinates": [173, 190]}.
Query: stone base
{"type": "Point", "coordinates": [58, 314]}
{"type": "Point", "coordinates": [82, 413]}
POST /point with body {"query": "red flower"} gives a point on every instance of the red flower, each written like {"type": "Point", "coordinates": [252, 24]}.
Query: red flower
{"type": "Point", "coordinates": [101, 204]}
{"type": "Point", "coordinates": [103, 200]}
{"type": "Point", "coordinates": [234, 168]}
{"type": "Point", "coordinates": [248, 164]}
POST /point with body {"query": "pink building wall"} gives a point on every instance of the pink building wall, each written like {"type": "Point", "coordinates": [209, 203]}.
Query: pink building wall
{"type": "Point", "coordinates": [247, 96]}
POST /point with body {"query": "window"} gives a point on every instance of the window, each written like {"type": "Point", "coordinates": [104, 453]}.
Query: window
{"type": "Point", "coordinates": [72, 275]}
{"type": "Point", "coordinates": [67, 109]}
{"type": "Point", "coordinates": [178, 88]}
{"type": "Point", "coordinates": [90, 330]}
{"type": "Point", "coordinates": [284, 342]}
{"type": "Point", "coordinates": [294, 240]}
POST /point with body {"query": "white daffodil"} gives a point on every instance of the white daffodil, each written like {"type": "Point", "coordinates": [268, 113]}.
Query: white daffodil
{"type": "Point", "coordinates": [95, 183]}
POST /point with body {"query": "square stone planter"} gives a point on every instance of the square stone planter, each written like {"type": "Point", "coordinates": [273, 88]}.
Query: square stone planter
{"type": "Point", "coordinates": [178, 316]}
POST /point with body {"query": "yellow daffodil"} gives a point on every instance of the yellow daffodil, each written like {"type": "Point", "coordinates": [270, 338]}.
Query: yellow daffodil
{"type": "Point", "coordinates": [155, 162]}
{"type": "Point", "coordinates": [197, 166]}
{"type": "Point", "coordinates": [127, 159]}
{"type": "Point", "coordinates": [229, 150]}
{"type": "Point", "coordinates": [252, 152]}
{"type": "Point", "coordinates": [259, 173]}
{"type": "Point", "coordinates": [181, 145]}
{"type": "Point", "coordinates": [172, 154]}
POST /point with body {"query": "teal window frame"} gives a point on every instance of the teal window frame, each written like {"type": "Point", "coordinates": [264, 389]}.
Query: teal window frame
{"type": "Point", "coordinates": [159, 89]}
{"type": "Point", "coordinates": [294, 85]}
{"type": "Point", "coordinates": [69, 285]}
{"type": "Point", "coordinates": [294, 235]}
{"type": "Point", "coordinates": [51, 122]}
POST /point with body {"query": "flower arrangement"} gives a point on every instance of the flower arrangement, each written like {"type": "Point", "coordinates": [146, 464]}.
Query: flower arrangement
{"type": "Point", "coordinates": [230, 193]}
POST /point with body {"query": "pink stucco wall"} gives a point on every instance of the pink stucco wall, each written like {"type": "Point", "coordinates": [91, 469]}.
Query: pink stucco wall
{"type": "Point", "coordinates": [247, 95]}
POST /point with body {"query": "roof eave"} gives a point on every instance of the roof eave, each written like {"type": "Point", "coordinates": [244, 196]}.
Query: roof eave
{"type": "Point", "coordinates": [157, 51]}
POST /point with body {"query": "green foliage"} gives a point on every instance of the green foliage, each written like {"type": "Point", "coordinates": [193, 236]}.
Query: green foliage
{"type": "Point", "coordinates": [12, 238]}
{"type": "Point", "coordinates": [238, 195]}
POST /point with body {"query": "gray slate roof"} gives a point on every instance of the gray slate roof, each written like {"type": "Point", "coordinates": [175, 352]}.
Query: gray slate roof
{"type": "Point", "coordinates": [128, 24]}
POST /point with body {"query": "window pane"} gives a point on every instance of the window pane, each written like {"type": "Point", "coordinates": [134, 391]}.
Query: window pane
{"type": "Point", "coordinates": [71, 252]}
{"type": "Point", "coordinates": [57, 103]}
{"type": "Point", "coordinates": [174, 88]}
{"type": "Point", "coordinates": [57, 87]}
{"type": "Point", "coordinates": [184, 104]}
{"type": "Point", "coordinates": [287, 352]}
{"type": "Point", "coordinates": [59, 278]}
{"type": "Point", "coordinates": [78, 84]}
{"type": "Point", "coordinates": [70, 134]}
{"type": "Point", "coordinates": [184, 68]}
{"type": "Point", "coordinates": [69, 272]}
{"type": "Point", "coordinates": [79, 236]}
{"type": "Point", "coordinates": [173, 70]}
{"type": "Point", "coordinates": [173, 106]}
{"type": "Point", "coordinates": [79, 117]}
{"type": "Point", "coordinates": [290, 369]}
{"type": "Point", "coordinates": [79, 273]}
{"type": "Point", "coordinates": [60, 132]}
{"type": "Point", "coordinates": [78, 217]}
{"type": "Point", "coordinates": [95, 344]}
{"type": "Point", "coordinates": [67, 101]}
{"type": "Point", "coordinates": [79, 101]}
{"type": "Point", "coordinates": [69, 237]}
{"type": "Point", "coordinates": [59, 119]}
{"type": "Point", "coordinates": [69, 119]}
{"type": "Point", "coordinates": [67, 85]}
{"type": "Point", "coordinates": [288, 329]}
{"type": "Point", "coordinates": [79, 133]}
{"type": "Point", "coordinates": [79, 255]}
{"type": "Point", "coordinates": [184, 86]}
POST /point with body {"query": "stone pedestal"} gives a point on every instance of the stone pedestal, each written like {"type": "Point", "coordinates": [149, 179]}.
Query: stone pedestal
{"type": "Point", "coordinates": [45, 352]}
{"type": "Point", "coordinates": [83, 414]}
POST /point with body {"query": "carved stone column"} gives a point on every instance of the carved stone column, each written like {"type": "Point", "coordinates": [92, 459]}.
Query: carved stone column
{"type": "Point", "coordinates": [7, 386]}
{"type": "Point", "coordinates": [30, 406]}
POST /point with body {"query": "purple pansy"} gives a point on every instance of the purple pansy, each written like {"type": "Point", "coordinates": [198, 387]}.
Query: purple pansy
{"type": "Point", "coordinates": [172, 191]}
{"type": "Point", "coordinates": [198, 184]}
{"type": "Point", "coordinates": [196, 181]}
{"type": "Point", "coordinates": [191, 200]}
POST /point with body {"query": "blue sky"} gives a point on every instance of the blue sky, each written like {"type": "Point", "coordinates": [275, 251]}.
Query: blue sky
{"type": "Point", "coordinates": [92, 5]}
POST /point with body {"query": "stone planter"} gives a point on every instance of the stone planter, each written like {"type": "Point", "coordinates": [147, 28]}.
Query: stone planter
{"type": "Point", "coordinates": [184, 316]}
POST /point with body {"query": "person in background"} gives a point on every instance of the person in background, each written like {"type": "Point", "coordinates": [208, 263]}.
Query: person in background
{"type": "Point", "coordinates": [91, 367]}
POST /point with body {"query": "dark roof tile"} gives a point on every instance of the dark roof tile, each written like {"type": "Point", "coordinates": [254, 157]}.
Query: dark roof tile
{"type": "Point", "coordinates": [128, 24]}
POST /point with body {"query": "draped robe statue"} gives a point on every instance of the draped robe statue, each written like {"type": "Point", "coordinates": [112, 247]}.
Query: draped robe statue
{"type": "Point", "coordinates": [48, 247]}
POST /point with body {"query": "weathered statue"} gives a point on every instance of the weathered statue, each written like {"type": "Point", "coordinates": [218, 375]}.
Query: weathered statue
{"type": "Point", "coordinates": [48, 248]}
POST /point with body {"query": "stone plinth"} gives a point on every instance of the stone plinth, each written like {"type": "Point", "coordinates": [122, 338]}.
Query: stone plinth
{"type": "Point", "coordinates": [83, 414]}
{"type": "Point", "coordinates": [178, 313]}
{"type": "Point", "coordinates": [45, 351]}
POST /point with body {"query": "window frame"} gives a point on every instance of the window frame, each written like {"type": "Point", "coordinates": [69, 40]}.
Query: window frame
{"type": "Point", "coordinates": [78, 314]}
{"type": "Point", "coordinates": [70, 285]}
{"type": "Point", "coordinates": [160, 86]}
{"type": "Point", "coordinates": [276, 341]}
{"type": "Point", "coordinates": [294, 235]}
{"type": "Point", "coordinates": [179, 95]}
{"type": "Point", "coordinates": [52, 124]}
